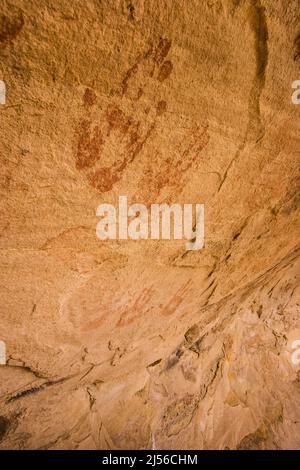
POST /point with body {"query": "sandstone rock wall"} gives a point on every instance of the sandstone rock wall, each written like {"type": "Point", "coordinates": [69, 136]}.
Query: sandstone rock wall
{"type": "Point", "coordinates": [143, 344]}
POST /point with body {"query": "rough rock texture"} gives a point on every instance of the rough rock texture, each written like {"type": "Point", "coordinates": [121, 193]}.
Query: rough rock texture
{"type": "Point", "coordinates": [142, 344]}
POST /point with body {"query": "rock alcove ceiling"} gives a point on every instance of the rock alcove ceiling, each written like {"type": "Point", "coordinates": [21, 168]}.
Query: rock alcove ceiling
{"type": "Point", "coordinates": [123, 344]}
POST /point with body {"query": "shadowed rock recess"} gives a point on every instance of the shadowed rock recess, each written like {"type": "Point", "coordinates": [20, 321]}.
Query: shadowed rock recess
{"type": "Point", "coordinates": [123, 344]}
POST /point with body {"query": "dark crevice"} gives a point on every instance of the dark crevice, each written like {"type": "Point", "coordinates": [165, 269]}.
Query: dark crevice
{"type": "Point", "coordinates": [297, 48]}
{"type": "Point", "coordinates": [259, 26]}
{"type": "Point", "coordinates": [4, 426]}
{"type": "Point", "coordinates": [255, 128]}
{"type": "Point", "coordinates": [36, 389]}
{"type": "Point", "coordinates": [155, 363]}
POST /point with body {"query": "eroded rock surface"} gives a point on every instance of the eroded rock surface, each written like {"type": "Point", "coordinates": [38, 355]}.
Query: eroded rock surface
{"type": "Point", "coordinates": [142, 344]}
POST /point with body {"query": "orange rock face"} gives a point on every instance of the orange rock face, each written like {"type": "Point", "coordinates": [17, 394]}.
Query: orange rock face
{"type": "Point", "coordinates": [140, 344]}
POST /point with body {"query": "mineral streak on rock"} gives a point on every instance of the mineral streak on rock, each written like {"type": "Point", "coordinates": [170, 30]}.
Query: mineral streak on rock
{"type": "Point", "coordinates": [123, 344]}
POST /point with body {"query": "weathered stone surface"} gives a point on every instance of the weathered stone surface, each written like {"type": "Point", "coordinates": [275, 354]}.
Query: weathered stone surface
{"type": "Point", "coordinates": [142, 344]}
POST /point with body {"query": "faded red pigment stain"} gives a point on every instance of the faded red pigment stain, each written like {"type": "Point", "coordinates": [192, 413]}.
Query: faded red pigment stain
{"type": "Point", "coordinates": [161, 107]}
{"type": "Point", "coordinates": [10, 27]}
{"type": "Point", "coordinates": [138, 308]}
{"type": "Point", "coordinates": [172, 172]}
{"type": "Point", "coordinates": [162, 50]}
{"type": "Point", "coordinates": [96, 322]}
{"type": "Point", "coordinates": [143, 303]}
{"type": "Point", "coordinates": [89, 144]}
{"type": "Point", "coordinates": [151, 64]}
{"type": "Point", "coordinates": [129, 74]}
{"type": "Point", "coordinates": [89, 98]}
{"type": "Point", "coordinates": [117, 120]}
{"type": "Point", "coordinates": [104, 178]}
{"type": "Point", "coordinates": [165, 71]}
{"type": "Point", "coordinates": [177, 299]}
{"type": "Point", "coordinates": [93, 142]}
